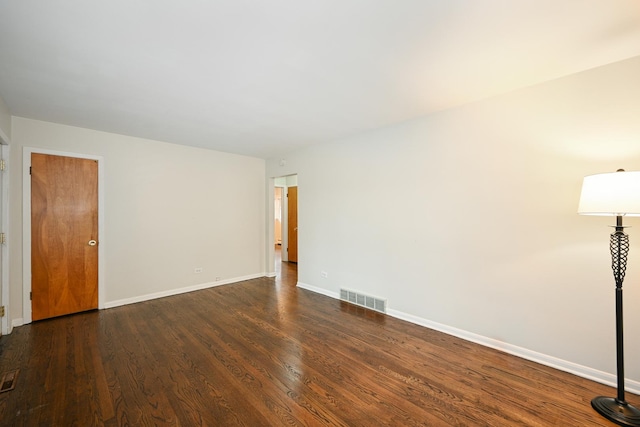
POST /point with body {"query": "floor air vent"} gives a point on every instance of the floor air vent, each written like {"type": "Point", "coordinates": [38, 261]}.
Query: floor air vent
{"type": "Point", "coordinates": [8, 381]}
{"type": "Point", "coordinates": [363, 300]}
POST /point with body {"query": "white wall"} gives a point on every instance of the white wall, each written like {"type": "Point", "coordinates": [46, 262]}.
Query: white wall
{"type": "Point", "coordinates": [168, 209]}
{"type": "Point", "coordinates": [286, 181]}
{"type": "Point", "coordinates": [467, 218]}
{"type": "Point", "coordinates": [5, 122]}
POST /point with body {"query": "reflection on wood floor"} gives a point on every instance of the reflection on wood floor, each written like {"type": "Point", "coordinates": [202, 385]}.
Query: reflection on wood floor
{"type": "Point", "coordinates": [286, 272]}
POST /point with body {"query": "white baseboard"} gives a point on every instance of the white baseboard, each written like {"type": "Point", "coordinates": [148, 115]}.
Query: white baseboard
{"type": "Point", "coordinates": [155, 295]}
{"type": "Point", "coordinates": [274, 274]}
{"type": "Point", "coordinates": [171, 292]}
{"type": "Point", "coordinates": [317, 290]}
{"type": "Point", "coordinates": [553, 362]}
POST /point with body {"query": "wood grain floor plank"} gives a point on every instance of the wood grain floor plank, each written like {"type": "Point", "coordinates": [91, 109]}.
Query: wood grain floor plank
{"type": "Point", "coordinates": [265, 353]}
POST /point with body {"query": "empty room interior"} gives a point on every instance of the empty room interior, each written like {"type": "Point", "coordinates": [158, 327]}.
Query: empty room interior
{"type": "Point", "coordinates": [350, 213]}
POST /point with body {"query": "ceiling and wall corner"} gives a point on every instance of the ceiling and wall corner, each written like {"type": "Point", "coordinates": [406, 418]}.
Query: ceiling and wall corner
{"type": "Point", "coordinates": [261, 78]}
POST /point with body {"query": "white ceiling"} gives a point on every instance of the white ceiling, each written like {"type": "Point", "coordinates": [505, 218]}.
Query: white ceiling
{"type": "Point", "coordinates": [262, 77]}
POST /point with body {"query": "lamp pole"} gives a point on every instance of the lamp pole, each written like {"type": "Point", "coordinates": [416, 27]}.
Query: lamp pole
{"type": "Point", "coordinates": [619, 246]}
{"type": "Point", "coordinates": [616, 194]}
{"type": "Point", "coordinates": [617, 409]}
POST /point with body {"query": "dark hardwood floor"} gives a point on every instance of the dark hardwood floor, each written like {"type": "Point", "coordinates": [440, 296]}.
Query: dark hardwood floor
{"type": "Point", "coordinates": [265, 353]}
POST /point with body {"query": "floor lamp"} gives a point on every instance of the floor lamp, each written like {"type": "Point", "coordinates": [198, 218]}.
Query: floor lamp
{"type": "Point", "coordinates": [615, 194]}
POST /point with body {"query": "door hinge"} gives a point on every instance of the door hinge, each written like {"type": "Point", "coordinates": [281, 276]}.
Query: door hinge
{"type": "Point", "coordinates": [3, 165]}
{"type": "Point", "coordinates": [3, 238]}
{"type": "Point", "coordinates": [30, 295]}
{"type": "Point", "coordinates": [2, 311]}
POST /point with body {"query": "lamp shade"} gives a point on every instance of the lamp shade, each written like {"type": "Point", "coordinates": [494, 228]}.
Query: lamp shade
{"type": "Point", "coordinates": [615, 193]}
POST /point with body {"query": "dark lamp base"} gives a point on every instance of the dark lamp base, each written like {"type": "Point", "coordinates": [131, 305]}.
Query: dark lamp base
{"type": "Point", "coordinates": [619, 412]}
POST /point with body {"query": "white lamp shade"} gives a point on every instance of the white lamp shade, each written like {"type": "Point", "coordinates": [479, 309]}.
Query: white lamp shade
{"type": "Point", "coordinates": [615, 193]}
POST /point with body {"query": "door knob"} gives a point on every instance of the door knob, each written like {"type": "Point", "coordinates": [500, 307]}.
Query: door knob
{"type": "Point", "coordinates": [92, 243]}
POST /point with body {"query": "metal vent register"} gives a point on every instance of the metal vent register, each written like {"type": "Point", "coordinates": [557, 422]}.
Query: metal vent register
{"type": "Point", "coordinates": [8, 381]}
{"type": "Point", "coordinates": [363, 300]}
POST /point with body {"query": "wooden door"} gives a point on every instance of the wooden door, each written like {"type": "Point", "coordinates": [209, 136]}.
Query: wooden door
{"type": "Point", "coordinates": [64, 235]}
{"type": "Point", "coordinates": [292, 220]}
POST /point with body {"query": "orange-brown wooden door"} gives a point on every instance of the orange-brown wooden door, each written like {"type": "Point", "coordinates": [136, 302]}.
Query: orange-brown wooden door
{"type": "Point", "coordinates": [292, 221]}
{"type": "Point", "coordinates": [64, 235]}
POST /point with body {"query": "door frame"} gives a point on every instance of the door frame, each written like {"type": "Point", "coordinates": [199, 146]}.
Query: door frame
{"type": "Point", "coordinates": [270, 247]}
{"type": "Point", "coordinates": [26, 225]}
{"type": "Point", "coordinates": [5, 325]}
{"type": "Point", "coordinates": [284, 253]}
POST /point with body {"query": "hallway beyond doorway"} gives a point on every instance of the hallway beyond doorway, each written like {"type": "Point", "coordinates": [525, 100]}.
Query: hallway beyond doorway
{"type": "Point", "coordinates": [286, 272]}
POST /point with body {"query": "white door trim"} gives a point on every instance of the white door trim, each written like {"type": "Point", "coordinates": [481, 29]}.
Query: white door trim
{"type": "Point", "coordinates": [4, 193]}
{"type": "Point", "coordinates": [26, 225]}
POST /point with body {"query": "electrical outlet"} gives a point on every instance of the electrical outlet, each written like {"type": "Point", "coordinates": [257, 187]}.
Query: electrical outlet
{"type": "Point", "coordinates": [198, 270]}
{"type": "Point", "coordinates": [217, 279]}
{"type": "Point", "coordinates": [324, 274]}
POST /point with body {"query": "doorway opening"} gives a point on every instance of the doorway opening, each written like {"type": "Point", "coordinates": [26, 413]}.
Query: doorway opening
{"type": "Point", "coordinates": [285, 226]}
